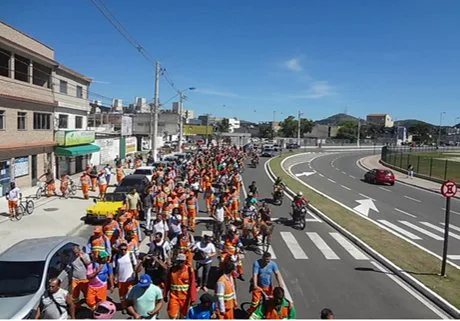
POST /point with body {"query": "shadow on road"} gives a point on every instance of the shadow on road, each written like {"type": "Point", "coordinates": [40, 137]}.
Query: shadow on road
{"type": "Point", "coordinates": [369, 269]}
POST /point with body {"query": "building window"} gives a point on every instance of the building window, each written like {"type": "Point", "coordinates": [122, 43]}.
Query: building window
{"type": "Point", "coordinates": [2, 119]}
{"type": "Point", "coordinates": [42, 121]}
{"type": "Point", "coordinates": [5, 56]}
{"type": "Point", "coordinates": [41, 75]}
{"type": "Point", "coordinates": [21, 68]}
{"type": "Point", "coordinates": [22, 120]}
{"type": "Point", "coordinates": [79, 92]}
{"type": "Point", "coordinates": [63, 121]}
{"type": "Point", "coordinates": [78, 122]}
{"type": "Point", "coordinates": [63, 87]}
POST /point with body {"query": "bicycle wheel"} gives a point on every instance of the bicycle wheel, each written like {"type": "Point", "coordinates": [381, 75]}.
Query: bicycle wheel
{"type": "Point", "coordinates": [39, 193]}
{"type": "Point", "coordinates": [30, 206]}
{"type": "Point", "coordinates": [20, 212]}
{"type": "Point", "coordinates": [73, 190]}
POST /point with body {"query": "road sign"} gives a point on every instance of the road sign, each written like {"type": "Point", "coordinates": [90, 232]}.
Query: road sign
{"type": "Point", "coordinates": [449, 189]}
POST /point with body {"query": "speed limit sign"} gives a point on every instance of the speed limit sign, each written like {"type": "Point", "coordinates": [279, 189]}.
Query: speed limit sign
{"type": "Point", "coordinates": [449, 189]}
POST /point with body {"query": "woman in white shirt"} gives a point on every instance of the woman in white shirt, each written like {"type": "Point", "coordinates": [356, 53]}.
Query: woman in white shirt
{"type": "Point", "coordinates": [204, 252]}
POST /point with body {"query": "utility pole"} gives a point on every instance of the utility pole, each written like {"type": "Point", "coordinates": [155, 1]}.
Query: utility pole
{"type": "Point", "coordinates": [359, 131]}
{"type": "Point", "coordinates": [154, 113]}
{"type": "Point", "coordinates": [181, 121]}
{"type": "Point", "coordinates": [440, 124]}
{"type": "Point", "coordinates": [298, 129]}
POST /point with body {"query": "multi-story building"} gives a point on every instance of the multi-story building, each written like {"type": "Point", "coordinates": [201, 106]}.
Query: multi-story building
{"type": "Point", "coordinates": [380, 119]}
{"type": "Point", "coordinates": [187, 114]}
{"type": "Point", "coordinates": [233, 123]}
{"type": "Point", "coordinates": [33, 87]}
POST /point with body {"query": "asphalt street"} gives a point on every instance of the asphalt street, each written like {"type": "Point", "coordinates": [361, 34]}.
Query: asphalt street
{"type": "Point", "coordinates": [415, 213]}
{"type": "Point", "coordinates": [322, 269]}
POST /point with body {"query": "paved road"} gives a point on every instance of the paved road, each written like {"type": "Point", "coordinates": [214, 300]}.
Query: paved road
{"type": "Point", "coordinates": [321, 269]}
{"type": "Point", "coordinates": [415, 213]}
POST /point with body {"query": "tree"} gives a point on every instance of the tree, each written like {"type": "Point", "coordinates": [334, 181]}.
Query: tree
{"type": "Point", "coordinates": [372, 130]}
{"type": "Point", "coordinates": [422, 132]}
{"type": "Point", "coordinates": [223, 126]}
{"type": "Point", "coordinates": [289, 126]}
{"type": "Point", "coordinates": [348, 130]}
{"type": "Point", "coordinates": [266, 130]}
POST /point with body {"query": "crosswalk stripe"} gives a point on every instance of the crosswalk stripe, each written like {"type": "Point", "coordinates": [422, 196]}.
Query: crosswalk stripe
{"type": "Point", "coordinates": [348, 246]}
{"type": "Point", "coordinates": [456, 228]}
{"type": "Point", "coordinates": [440, 229]}
{"type": "Point", "coordinates": [293, 246]}
{"type": "Point", "coordinates": [421, 230]}
{"type": "Point", "coordinates": [328, 253]}
{"type": "Point", "coordinates": [400, 230]}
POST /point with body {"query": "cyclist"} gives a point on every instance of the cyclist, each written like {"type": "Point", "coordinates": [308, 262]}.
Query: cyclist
{"type": "Point", "coordinates": [13, 197]}
{"type": "Point", "coordinates": [276, 308]}
{"type": "Point", "coordinates": [249, 220]}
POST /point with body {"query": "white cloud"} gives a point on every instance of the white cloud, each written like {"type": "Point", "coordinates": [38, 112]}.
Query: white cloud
{"type": "Point", "coordinates": [293, 64]}
{"type": "Point", "coordinates": [318, 89]}
{"type": "Point", "coordinates": [212, 92]}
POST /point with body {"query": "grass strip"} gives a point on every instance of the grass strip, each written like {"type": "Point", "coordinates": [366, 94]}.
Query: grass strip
{"type": "Point", "coordinates": [418, 263]}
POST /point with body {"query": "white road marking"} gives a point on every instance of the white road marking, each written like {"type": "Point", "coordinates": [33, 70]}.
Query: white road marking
{"type": "Point", "coordinates": [293, 246]}
{"type": "Point", "coordinates": [401, 211]}
{"type": "Point", "coordinates": [440, 229]}
{"type": "Point", "coordinates": [421, 230]}
{"type": "Point", "coordinates": [331, 180]}
{"type": "Point", "coordinates": [328, 253]}
{"type": "Point", "coordinates": [416, 295]}
{"type": "Point", "coordinates": [456, 228]}
{"type": "Point", "coordinates": [348, 246]}
{"type": "Point", "coordinates": [444, 209]}
{"type": "Point", "coordinates": [352, 176]}
{"type": "Point", "coordinates": [454, 257]}
{"type": "Point", "coordinates": [365, 196]}
{"type": "Point", "coordinates": [320, 174]}
{"type": "Point", "coordinates": [400, 230]}
{"type": "Point", "coordinates": [413, 199]}
{"type": "Point", "coordinates": [344, 173]}
{"type": "Point", "coordinates": [346, 187]}
{"type": "Point", "coordinates": [385, 189]}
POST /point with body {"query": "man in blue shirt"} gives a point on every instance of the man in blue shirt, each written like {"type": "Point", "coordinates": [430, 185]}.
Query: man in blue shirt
{"type": "Point", "coordinates": [262, 271]}
{"type": "Point", "coordinates": [206, 310]}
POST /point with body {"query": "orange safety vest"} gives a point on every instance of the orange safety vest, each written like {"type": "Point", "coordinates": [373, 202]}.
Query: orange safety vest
{"type": "Point", "coordinates": [191, 204]}
{"type": "Point", "coordinates": [98, 244]}
{"type": "Point", "coordinates": [230, 245]}
{"type": "Point", "coordinates": [272, 314]}
{"type": "Point", "coordinates": [131, 226]}
{"type": "Point", "coordinates": [229, 292]}
{"type": "Point", "coordinates": [112, 231]}
{"type": "Point", "coordinates": [120, 171]}
{"type": "Point", "coordinates": [184, 243]}
{"type": "Point", "coordinates": [160, 199]}
{"type": "Point", "coordinates": [180, 283]}
{"type": "Point", "coordinates": [175, 202]}
{"type": "Point", "coordinates": [85, 180]}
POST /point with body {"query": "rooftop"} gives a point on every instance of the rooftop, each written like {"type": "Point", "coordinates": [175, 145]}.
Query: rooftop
{"type": "Point", "coordinates": [377, 115]}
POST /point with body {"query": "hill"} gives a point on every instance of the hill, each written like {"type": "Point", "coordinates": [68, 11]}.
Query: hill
{"type": "Point", "coordinates": [334, 120]}
{"type": "Point", "coordinates": [410, 122]}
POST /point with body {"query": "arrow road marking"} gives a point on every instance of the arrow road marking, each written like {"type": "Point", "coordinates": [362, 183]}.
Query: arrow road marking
{"type": "Point", "coordinates": [365, 205]}
{"type": "Point", "coordinates": [305, 173]}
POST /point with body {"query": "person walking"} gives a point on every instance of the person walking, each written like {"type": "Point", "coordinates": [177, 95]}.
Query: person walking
{"type": "Point", "coordinates": [145, 299]}
{"type": "Point", "coordinates": [124, 270]}
{"type": "Point", "coordinates": [226, 293]}
{"type": "Point", "coordinates": [98, 242]}
{"type": "Point", "coordinates": [55, 303]}
{"type": "Point", "coordinates": [108, 173]}
{"type": "Point", "coordinates": [204, 253]}
{"type": "Point", "coordinates": [276, 308]}
{"type": "Point", "coordinates": [85, 184]}
{"type": "Point", "coordinates": [13, 197]}
{"type": "Point", "coordinates": [100, 276]}
{"type": "Point", "coordinates": [410, 171]}
{"type": "Point", "coordinates": [133, 203]}
{"type": "Point", "coordinates": [78, 268]}
{"type": "Point", "coordinates": [327, 314]}
{"type": "Point", "coordinates": [102, 183]}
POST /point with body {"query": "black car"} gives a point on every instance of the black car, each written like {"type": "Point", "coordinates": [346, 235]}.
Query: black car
{"type": "Point", "coordinates": [292, 146]}
{"type": "Point", "coordinates": [137, 181]}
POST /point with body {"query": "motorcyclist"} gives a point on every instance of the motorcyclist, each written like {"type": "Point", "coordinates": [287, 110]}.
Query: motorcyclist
{"type": "Point", "coordinates": [298, 203]}
{"type": "Point", "coordinates": [265, 212]}
{"type": "Point", "coordinates": [253, 189]}
{"type": "Point", "coordinates": [278, 184]}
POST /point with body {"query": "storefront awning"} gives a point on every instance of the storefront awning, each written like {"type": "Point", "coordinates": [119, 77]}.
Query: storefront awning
{"type": "Point", "coordinates": [76, 150]}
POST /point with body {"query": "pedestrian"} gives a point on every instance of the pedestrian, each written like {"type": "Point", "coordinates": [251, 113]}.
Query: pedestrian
{"type": "Point", "coordinates": [145, 299]}
{"type": "Point", "coordinates": [327, 314]}
{"type": "Point", "coordinates": [98, 242]}
{"type": "Point", "coordinates": [100, 276]}
{"type": "Point", "coordinates": [207, 309]}
{"type": "Point", "coordinates": [133, 203]}
{"type": "Point", "coordinates": [78, 270]}
{"type": "Point", "coordinates": [124, 270]}
{"type": "Point", "coordinates": [55, 302]}
{"type": "Point", "coordinates": [13, 197]}
{"type": "Point", "coordinates": [120, 173]}
{"type": "Point", "coordinates": [108, 173]}
{"type": "Point", "coordinates": [148, 205]}
{"type": "Point", "coordinates": [93, 174]}
{"type": "Point", "coordinates": [226, 293]}
{"type": "Point", "coordinates": [85, 184]}
{"type": "Point", "coordinates": [102, 183]}
{"type": "Point", "coordinates": [204, 253]}
{"type": "Point", "coordinates": [276, 308]}
{"type": "Point", "coordinates": [155, 267]}
{"type": "Point", "coordinates": [159, 247]}
{"type": "Point", "coordinates": [159, 225]}
{"type": "Point", "coordinates": [410, 171]}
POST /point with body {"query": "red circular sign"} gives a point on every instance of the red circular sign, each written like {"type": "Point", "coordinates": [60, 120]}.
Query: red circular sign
{"type": "Point", "coordinates": [449, 189]}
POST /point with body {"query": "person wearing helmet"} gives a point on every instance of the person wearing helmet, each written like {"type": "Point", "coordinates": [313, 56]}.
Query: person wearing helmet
{"type": "Point", "coordinates": [145, 299]}
{"type": "Point", "coordinates": [299, 200]}
{"type": "Point", "coordinates": [104, 310]}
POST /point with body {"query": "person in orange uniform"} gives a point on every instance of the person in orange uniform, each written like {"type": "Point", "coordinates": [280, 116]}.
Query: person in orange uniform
{"type": "Point", "coordinates": [85, 183]}
{"type": "Point", "coordinates": [184, 242]}
{"type": "Point", "coordinates": [226, 293]}
{"type": "Point", "coordinates": [234, 203]}
{"type": "Point", "coordinates": [207, 188]}
{"type": "Point", "coordinates": [112, 229]}
{"type": "Point", "coordinates": [192, 210]}
{"type": "Point", "coordinates": [133, 225]}
{"type": "Point", "coordinates": [180, 288]}
{"type": "Point", "coordinates": [232, 243]}
{"type": "Point", "coordinates": [160, 200]}
{"type": "Point", "coordinates": [120, 174]}
{"type": "Point", "coordinates": [65, 182]}
{"type": "Point", "coordinates": [98, 242]}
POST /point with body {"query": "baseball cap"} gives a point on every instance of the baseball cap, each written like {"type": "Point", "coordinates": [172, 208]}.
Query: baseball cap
{"type": "Point", "coordinates": [103, 254]}
{"type": "Point", "coordinates": [145, 280]}
{"type": "Point", "coordinates": [181, 257]}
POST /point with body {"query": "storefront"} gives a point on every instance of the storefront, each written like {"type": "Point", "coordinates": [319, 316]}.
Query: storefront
{"type": "Point", "coordinates": [73, 151]}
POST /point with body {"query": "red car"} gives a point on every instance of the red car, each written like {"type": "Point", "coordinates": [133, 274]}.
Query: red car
{"type": "Point", "coordinates": [380, 176]}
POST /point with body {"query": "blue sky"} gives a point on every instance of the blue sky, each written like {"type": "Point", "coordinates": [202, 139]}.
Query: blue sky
{"type": "Point", "coordinates": [250, 58]}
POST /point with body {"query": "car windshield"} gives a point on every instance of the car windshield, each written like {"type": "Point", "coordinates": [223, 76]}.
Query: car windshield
{"type": "Point", "coordinates": [20, 278]}
{"type": "Point", "coordinates": [114, 197]}
{"type": "Point", "coordinates": [128, 184]}
{"type": "Point", "coordinates": [143, 171]}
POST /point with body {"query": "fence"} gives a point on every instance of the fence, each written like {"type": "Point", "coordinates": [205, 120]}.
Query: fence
{"type": "Point", "coordinates": [428, 161]}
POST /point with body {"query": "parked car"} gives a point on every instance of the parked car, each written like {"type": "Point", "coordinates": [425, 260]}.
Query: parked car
{"type": "Point", "coordinates": [268, 152]}
{"type": "Point", "coordinates": [276, 147]}
{"type": "Point", "coordinates": [380, 176]}
{"type": "Point", "coordinates": [110, 204]}
{"type": "Point", "coordinates": [137, 181]}
{"type": "Point", "coordinates": [292, 146]}
{"type": "Point", "coordinates": [148, 171]}
{"type": "Point", "coordinates": [25, 269]}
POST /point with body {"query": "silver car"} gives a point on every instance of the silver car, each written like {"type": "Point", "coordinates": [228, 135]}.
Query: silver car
{"type": "Point", "coordinates": [25, 269]}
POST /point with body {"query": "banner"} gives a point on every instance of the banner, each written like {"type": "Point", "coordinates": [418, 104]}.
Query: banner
{"type": "Point", "coordinates": [131, 145]}
{"type": "Point", "coordinates": [190, 129]}
{"type": "Point", "coordinates": [74, 137]}
{"type": "Point", "coordinates": [21, 166]}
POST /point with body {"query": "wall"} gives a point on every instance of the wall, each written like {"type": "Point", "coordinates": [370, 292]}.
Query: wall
{"type": "Point", "coordinates": [70, 99]}
{"type": "Point", "coordinates": [71, 117]}
{"type": "Point", "coordinates": [21, 89]}
{"type": "Point", "coordinates": [110, 148]}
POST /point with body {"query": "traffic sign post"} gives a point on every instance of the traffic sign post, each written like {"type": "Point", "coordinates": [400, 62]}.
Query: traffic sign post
{"type": "Point", "coordinates": [448, 189]}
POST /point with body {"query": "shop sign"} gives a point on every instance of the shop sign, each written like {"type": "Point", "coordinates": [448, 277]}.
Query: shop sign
{"type": "Point", "coordinates": [131, 145]}
{"type": "Point", "coordinates": [21, 166]}
{"type": "Point", "coordinates": [126, 126]}
{"type": "Point", "coordinates": [74, 137]}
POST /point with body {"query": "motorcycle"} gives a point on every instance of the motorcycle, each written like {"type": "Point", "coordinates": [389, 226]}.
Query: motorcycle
{"type": "Point", "coordinates": [278, 196]}
{"type": "Point", "coordinates": [254, 162]}
{"type": "Point", "coordinates": [298, 216]}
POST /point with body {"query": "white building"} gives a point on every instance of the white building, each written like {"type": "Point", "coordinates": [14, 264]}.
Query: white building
{"type": "Point", "coordinates": [234, 123]}
{"type": "Point", "coordinates": [141, 105]}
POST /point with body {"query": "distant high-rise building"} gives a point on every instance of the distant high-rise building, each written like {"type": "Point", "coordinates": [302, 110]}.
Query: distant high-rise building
{"type": "Point", "coordinates": [117, 104]}
{"type": "Point", "coordinates": [175, 107]}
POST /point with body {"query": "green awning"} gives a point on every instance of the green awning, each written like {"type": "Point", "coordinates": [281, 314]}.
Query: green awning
{"type": "Point", "coordinates": [76, 150]}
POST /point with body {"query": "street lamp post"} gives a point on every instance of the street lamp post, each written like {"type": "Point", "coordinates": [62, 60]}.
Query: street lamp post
{"type": "Point", "coordinates": [181, 118]}
{"type": "Point", "coordinates": [440, 124]}
{"type": "Point", "coordinates": [359, 132]}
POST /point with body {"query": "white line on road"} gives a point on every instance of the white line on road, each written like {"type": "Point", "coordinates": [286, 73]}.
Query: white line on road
{"type": "Point", "coordinates": [454, 257]}
{"type": "Point", "coordinates": [320, 174]}
{"type": "Point", "coordinates": [293, 246]}
{"type": "Point", "coordinates": [421, 230]}
{"type": "Point", "coordinates": [413, 199]}
{"type": "Point", "coordinates": [444, 209]}
{"type": "Point", "coordinates": [344, 173]}
{"type": "Point", "coordinates": [456, 228]}
{"type": "Point", "coordinates": [348, 246]}
{"type": "Point", "coordinates": [400, 230]}
{"type": "Point", "coordinates": [331, 180]}
{"type": "Point", "coordinates": [440, 229]}
{"type": "Point", "coordinates": [346, 187]}
{"type": "Point", "coordinates": [416, 295]}
{"type": "Point", "coordinates": [385, 189]}
{"type": "Point", "coordinates": [401, 211]}
{"type": "Point", "coordinates": [352, 176]}
{"type": "Point", "coordinates": [328, 253]}
{"type": "Point", "coordinates": [366, 196]}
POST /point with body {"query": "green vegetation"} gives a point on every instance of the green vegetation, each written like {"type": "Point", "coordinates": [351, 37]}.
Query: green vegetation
{"type": "Point", "coordinates": [421, 265]}
{"type": "Point", "coordinates": [290, 125]}
{"type": "Point", "coordinates": [433, 164]}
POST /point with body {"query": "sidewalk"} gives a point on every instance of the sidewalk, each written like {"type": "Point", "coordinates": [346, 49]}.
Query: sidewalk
{"type": "Point", "coordinates": [371, 162]}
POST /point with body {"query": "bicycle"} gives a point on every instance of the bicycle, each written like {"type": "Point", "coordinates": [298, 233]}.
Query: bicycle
{"type": "Point", "coordinates": [42, 190]}
{"type": "Point", "coordinates": [71, 190]}
{"type": "Point", "coordinates": [18, 212]}
{"type": "Point", "coordinates": [266, 230]}
{"type": "Point", "coordinates": [27, 205]}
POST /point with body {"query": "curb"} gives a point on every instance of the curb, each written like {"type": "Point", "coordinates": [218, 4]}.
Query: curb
{"type": "Point", "coordinates": [417, 285]}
